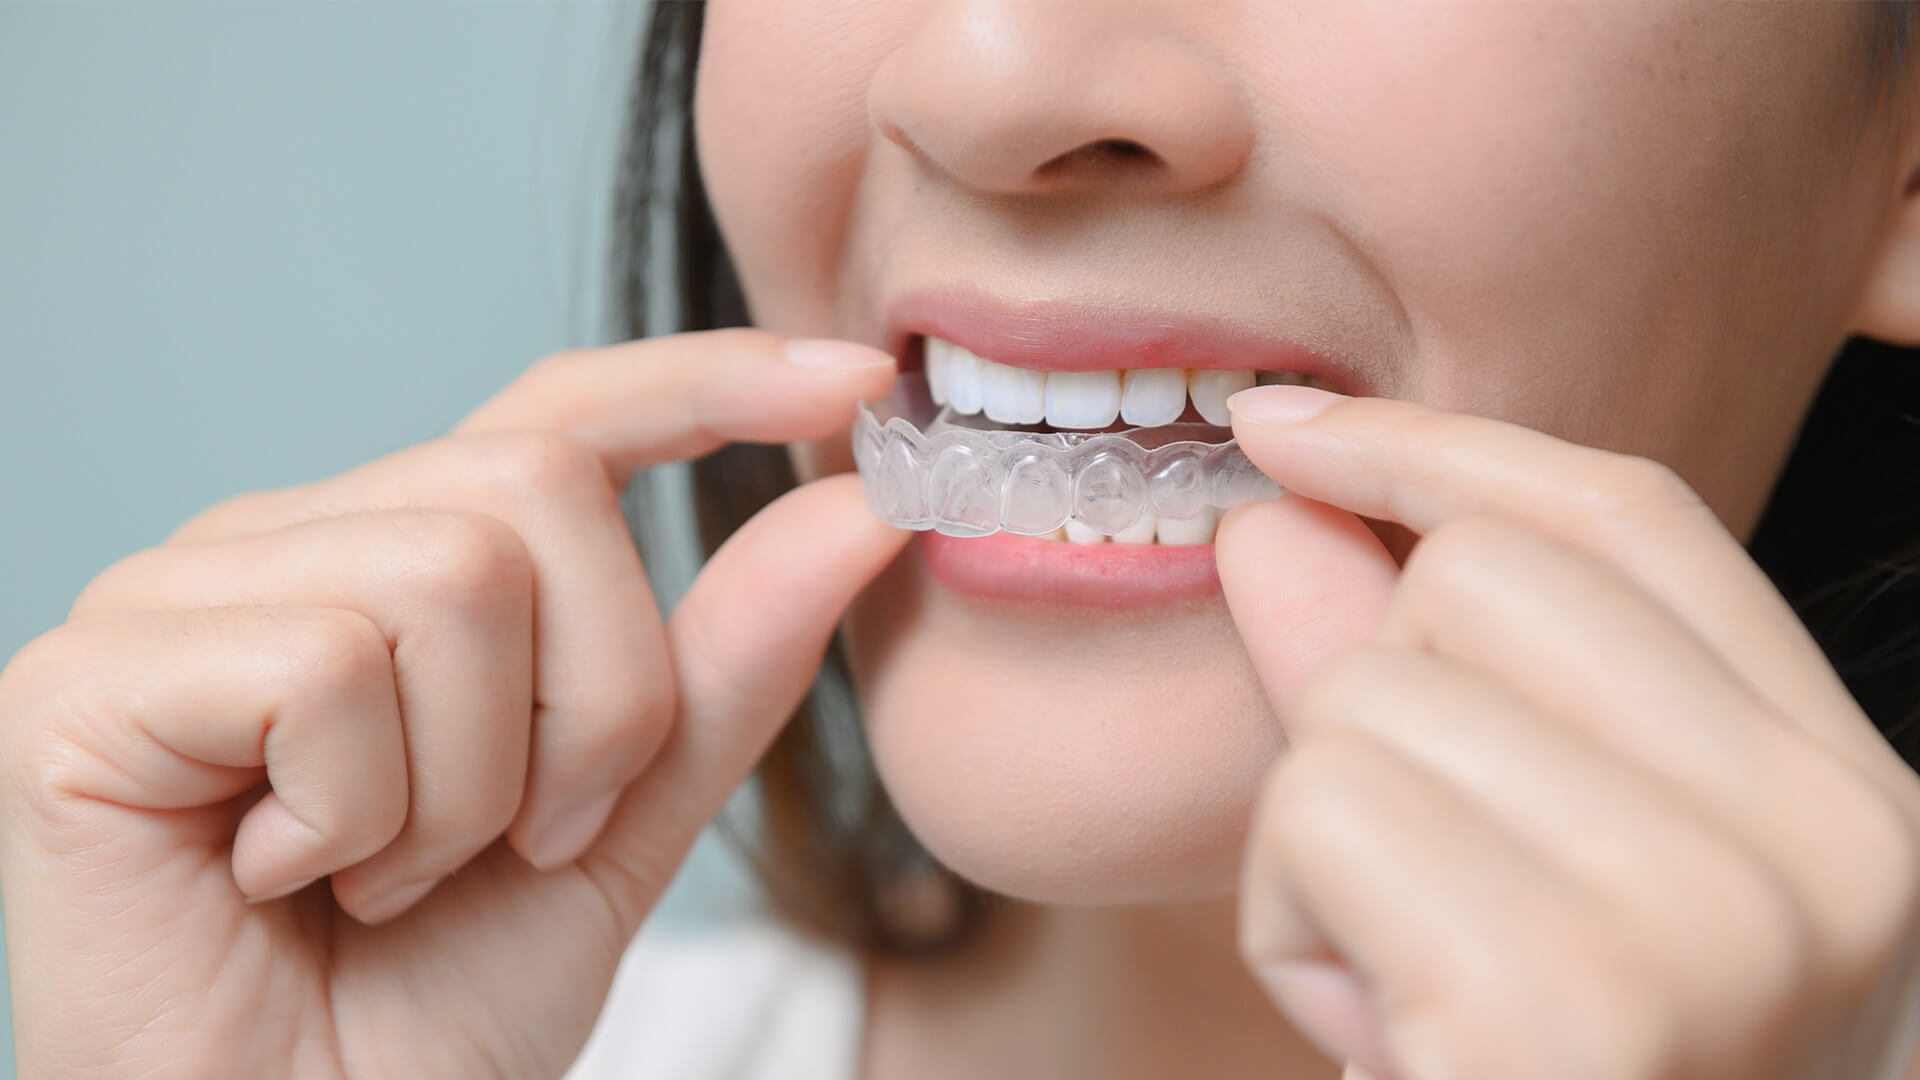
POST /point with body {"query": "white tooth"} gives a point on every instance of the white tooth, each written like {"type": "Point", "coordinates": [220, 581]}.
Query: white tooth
{"type": "Point", "coordinates": [1080, 533]}
{"type": "Point", "coordinates": [1150, 397]}
{"type": "Point", "coordinates": [936, 353]}
{"type": "Point", "coordinates": [1211, 387]}
{"type": "Point", "coordinates": [1197, 529]}
{"type": "Point", "coordinates": [1140, 532]}
{"type": "Point", "coordinates": [1082, 399]}
{"type": "Point", "coordinates": [963, 380]}
{"type": "Point", "coordinates": [1013, 395]}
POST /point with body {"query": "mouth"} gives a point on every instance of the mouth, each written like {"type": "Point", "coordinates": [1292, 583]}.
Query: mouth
{"type": "Point", "coordinates": [1083, 369]}
{"type": "Point", "coordinates": [1147, 402]}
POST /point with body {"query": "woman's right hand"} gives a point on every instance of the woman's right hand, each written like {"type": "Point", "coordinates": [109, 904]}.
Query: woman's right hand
{"type": "Point", "coordinates": [379, 677]}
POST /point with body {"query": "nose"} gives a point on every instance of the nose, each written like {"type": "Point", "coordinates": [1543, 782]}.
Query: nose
{"type": "Point", "coordinates": [1016, 97]}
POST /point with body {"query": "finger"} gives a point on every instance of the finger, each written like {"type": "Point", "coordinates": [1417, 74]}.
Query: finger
{"type": "Point", "coordinates": [452, 592]}
{"type": "Point", "coordinates": [641, 403]}
{"type": "Point", "coordinates": [1677, 907]}
{"type": "Point", "coordinates": [175, 710]}
{"type": "Point", "coordinates": [672, 398]}
{"type": "Point", "coordinates": [1651, 847]}
{"type": "Point", "coordinates": [603, 685]}
{"type": "Point", "coordinates": [747, 641]}
{"type": "Point", "coordinates": [1402, 462]}
{"type": "Point", "coordinates": [1303, 581]}
{"type": "Point", "coordinates": [1630, 682]}
{"type": "Point", "coordinates": [1359, 857]}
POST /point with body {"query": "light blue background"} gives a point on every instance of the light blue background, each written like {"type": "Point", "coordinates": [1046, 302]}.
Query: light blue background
{"type": "Point", "coordinates": [249, 244]}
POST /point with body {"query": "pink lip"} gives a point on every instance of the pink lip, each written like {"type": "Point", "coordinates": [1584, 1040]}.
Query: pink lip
{"type": "Point", "coordinates": [1014, 569]}
{"type": "Point", "coordinates": [1086, 336]}
{"type": "Point", "coordinates": [1082, 336]}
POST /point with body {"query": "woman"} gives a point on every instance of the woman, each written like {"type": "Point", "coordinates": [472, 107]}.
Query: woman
{"type": "Point", "coordinates": [1486, 750]}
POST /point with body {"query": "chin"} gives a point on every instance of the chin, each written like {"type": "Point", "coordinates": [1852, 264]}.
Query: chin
{"type": "Point", "coordinates": [1064, 753]}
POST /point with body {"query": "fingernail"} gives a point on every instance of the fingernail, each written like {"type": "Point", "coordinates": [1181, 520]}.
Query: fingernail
{"type": "Point", "coordinates": [833, 353]}
{"type": "Point", "coordinates": [1282, 404]}
{"type": "Point", "coordinates": [1348, 1027]}
{"type": "Point", "coordinates": [563, 839]}
{"type": "Point", "coordinates": [395, 902]}
{"type": "Point", "coordinates": [284, 890]}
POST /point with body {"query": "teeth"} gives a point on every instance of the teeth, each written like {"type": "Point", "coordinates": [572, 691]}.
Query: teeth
{"type": "Point", "coordinates": [1012, 395]}
{"type": "Point", "coordinates": [1197, 529]}
{"type": "Point", "coordinates": [1150, 529]}
{"type": "Point", "coordinates": [938, 353]}
{"type": "Point", "coordinates": [1083, 534]}
{"type": "Point", "coordinates": [1140, 532]}
{"type": "Point", "coordinates": [1088, 400]}
{"type": "Point", "coordinates": [1150, 397]}
{"type": "Point", "coordinates": [1083, 399]}
{"type": "Point", "coordinates": [1212, 388]}
{"type": "Point", "coordinates": [964, 378]}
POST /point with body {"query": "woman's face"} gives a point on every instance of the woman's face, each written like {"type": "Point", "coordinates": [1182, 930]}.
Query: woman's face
{"type": "Point", "coordinates": [1643, 227]}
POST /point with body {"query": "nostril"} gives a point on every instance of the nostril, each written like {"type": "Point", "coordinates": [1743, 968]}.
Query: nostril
{"type": "Point", "coordinates": [1100, 152]}
{"type": "Point", "coordinates": [1122, 148]}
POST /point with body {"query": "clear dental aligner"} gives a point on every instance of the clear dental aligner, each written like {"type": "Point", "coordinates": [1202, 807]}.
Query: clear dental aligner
{"type": "Point", "coordinates": [944, 475]}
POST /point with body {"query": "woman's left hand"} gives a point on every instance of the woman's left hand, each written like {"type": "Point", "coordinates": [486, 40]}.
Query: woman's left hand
{"type": "Point", "coordinates": [1588, 801]}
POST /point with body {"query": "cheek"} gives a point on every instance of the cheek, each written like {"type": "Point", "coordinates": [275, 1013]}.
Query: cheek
{"type": "Point", "coordinates": [780, 117]}
{"type": "Point", "coordinates": [1025, 758]}
{"type": "Point", "coordinates": [1606, 232]}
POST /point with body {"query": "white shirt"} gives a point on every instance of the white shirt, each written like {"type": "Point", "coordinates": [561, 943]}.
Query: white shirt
{"type": "Point", "coordinates": [752, 1000]}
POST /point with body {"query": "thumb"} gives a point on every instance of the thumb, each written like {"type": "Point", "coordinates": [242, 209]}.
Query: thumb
{"type": "Point", "coordinates": [1304, 580]}
{"type": "Point", "coordinates": [746, 642]}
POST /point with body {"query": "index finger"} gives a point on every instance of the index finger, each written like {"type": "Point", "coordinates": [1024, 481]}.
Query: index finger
{"type": "Point", "coordinates": [1403, 462]}
{"type": "Point", "coordinates": [644, 402]}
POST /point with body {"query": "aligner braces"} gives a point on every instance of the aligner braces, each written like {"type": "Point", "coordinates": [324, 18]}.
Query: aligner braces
{"type": "Point", "coordinates": [966, 481]}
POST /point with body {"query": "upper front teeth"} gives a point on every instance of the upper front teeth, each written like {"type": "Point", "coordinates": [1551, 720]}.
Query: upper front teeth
{"type": "Point", "coordinates": [1144, 397]}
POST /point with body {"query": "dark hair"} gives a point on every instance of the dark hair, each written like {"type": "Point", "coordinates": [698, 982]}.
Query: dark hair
{"type": "Point", "coordinates": [1840, 537]}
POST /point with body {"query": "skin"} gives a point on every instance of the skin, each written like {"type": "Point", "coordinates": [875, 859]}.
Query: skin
{"type": "Point", "coordinates": [1488, 208]}
{"type": "Point", "coordinates": [1492, 208]}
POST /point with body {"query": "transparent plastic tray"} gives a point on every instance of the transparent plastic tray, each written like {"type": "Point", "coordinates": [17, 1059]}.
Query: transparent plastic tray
{"type": "Point", "coordinates": [941, 473]}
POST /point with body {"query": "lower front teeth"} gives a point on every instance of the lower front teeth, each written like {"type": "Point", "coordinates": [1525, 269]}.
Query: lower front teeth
{"type": "Point", "coordinates": [1150, 529]}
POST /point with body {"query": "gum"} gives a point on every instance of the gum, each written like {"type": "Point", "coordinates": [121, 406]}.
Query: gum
{"type": "Point", "coordinates": [964, 481]}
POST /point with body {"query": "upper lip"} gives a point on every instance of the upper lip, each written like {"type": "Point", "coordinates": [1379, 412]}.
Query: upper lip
{"type": "Point", "coordinates": [1079, 335]}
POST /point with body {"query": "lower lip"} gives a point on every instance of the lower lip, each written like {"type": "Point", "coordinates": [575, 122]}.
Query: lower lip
{"type": "Point", "coordinates": [1027, 569]}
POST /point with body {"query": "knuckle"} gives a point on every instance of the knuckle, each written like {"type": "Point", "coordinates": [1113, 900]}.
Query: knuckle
{"type": "Point", "coordinates": [228, 516]}
{"type": "Point", "coordinates": [1764, 942]}
{"type": "Point", "coordinates": [1872, 900]}
{"type": "Point", "coordinates": [622, 720]}
{"type": "Point", "coordinates": [1626, 488]}
{"type": "Point", "coordinates": [128, 582]}
{"type": "Point", "coordinates": [1607, 1019]}
{"type": "Point", "coordinates": [25, 689]}
{"type": "Point", "coordinates": [332, 654]}
{"type": "Point", "coordinates": [38, 661]}
{"type": "Point", "coordinates": [532, 466]}
{"type": "Point", "coordinates": [46, 706]}
{"type": "Point", "coordinates": [464, 818]}
{"type": "Point", "coordinates": [1315, 786]}
{"type": "Point", "coordinates": [468, 561]}
{"type": "Point", "coordinates": [1456, 558]}
{"type": "Point", "coordinates": [1618, 1021]}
